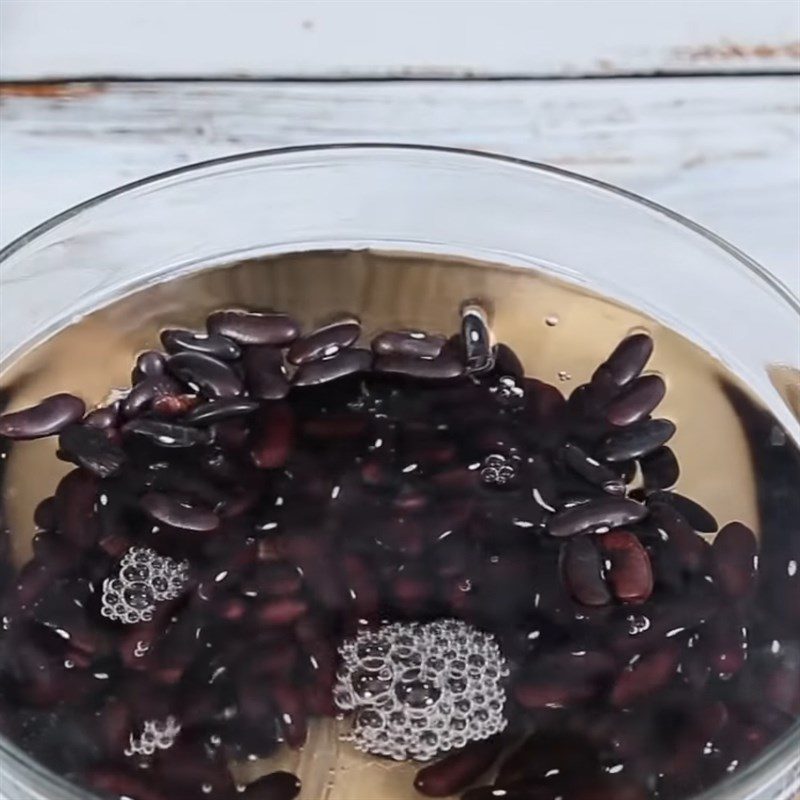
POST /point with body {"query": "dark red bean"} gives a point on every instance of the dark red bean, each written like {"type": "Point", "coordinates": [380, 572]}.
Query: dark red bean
{"type": "Point", "coordinates": [173, 405]}
{"type": "Point", "coordinates": [148, 391]}
{"type": "Point", "coordinates": [44, 516]}
{"type": "Point", "coordinates": [645, 676]}
{"type": "Point", "coordinates": [119, 782]}
{"type": "Point", "coordinates": [636, 440]}
{"type": "Point", "coordinates": [103, 419]}
{"type": "Point", "coordinates": [275, 786]}
{"type": "Point", "coordinates": [361, 587]}
{"type": "Point", "coordinates": [272, 579]}
{"type": "Point", "coordinates": [210, 376]}
{"type": "Point", "coordinates": [91, 449]}
{"type": "Point", "coordinates": [273, 438]}
{"type": "Point", "coordinates": [176, 340]}
{"type": "Point", "coordinates": [272, 659]}
{"type": "Point", "coordinates": [149, 364]}
{"type": "Point", "coordinates": [591, 470]}
{"type": "Point", "coordinates": [723, 642]}
{"type": "Point", "coordinates": [178, 514]}
{"type": "Point", "coordinates": [265, 373]}
{"type": "Point", "coordinates": [629, 570]}
{"type": "Point", "coordinates": [281, 611]}
{"type": "Point", "coordinates": [596, 516]}
{"type": "Point", "coordinates": [456, 771]}
{"type": "Point", "coordinates": [551, 692]}
{"type": "Point", "coordinates": [582, 568]}
{"type": "Point", "coordinates": [637, 401]}
{"type": "Point", "coordinates": [693, 550]}
{"type": "Point", "coordinates": [166, 434]}
{"type": "Point", "coordinates": [476, 340]}
{"type": "Point", "coordinates": [291, 713]}
{"type": "Point", "coordinates": [411, 590]}
{"type": "Point", "coordinates": [414, 344]}
{"type": "Point", "coordinates": [443, 367]}
{"type": "Point", "coordinates": [506, 362]}
{"type": "Point", "coordinates": [249, 328]}
{"type": "Point", "coordinates": [543, 755]}
{"type": "Point", "coordinates": [324, 342]}
{"type": "Point", "coordinates": [698, 517]}
{"type": "Point", "coordinates": [628, 359]}
{"type": "Point", "coordinates": [660, 469]}
{"type": "Point", "coordinates": [348, 362]}
{"type": "Point", "coordinates": [50, 416]}
{"type": "Point", "coordinates": [221, 409]}
{"type": "Point", "coordinates": [75, 499]}
{"type": "Point", "coordinates": [734, 560]}
{"type": "Point", "coordinates": [340, 426]}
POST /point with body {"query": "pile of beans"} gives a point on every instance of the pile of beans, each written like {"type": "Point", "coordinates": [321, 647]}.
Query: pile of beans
{"type": "Point", "coordinates": [310, 487]}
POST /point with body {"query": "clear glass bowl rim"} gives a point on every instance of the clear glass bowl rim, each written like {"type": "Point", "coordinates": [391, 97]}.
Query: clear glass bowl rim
{"type": "Point", "coordinates": [768, 765]}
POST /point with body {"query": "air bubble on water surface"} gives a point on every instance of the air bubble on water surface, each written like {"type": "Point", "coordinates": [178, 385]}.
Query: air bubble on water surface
{"type": "Point", "coordinates": [421, 689]}
{"type": "Point", "coordinates": [144, 579]}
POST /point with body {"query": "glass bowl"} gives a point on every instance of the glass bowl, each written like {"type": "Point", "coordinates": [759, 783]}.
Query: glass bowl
{"type": "Point", "coordinates": [422, 199]}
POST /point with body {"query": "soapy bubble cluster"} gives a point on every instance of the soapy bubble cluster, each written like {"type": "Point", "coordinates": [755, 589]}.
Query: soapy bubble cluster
{"type": "Point", "coordinates": [156, 735]}
{"type": "Point", "coordinates": [417, 690]}
{"type": "Point", "coordinates": [144, 579]}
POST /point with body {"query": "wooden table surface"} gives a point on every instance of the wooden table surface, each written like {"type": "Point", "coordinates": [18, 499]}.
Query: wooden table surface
{"type": "Point", "coordinates": [693, 104]}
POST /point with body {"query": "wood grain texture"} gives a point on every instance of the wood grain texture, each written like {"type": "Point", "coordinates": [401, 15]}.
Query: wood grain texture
{"type": "Point", "coordinates": [724, 152]}
{"type": "Point", "coordinates": [329, 38]}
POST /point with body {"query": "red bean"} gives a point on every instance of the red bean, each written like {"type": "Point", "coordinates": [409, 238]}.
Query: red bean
{"type": "Point", "coordinates": [596, 516]}
{"type": "Point", "coordinates": [218, 410]}
{"type": "Point", "coordinates": [347, 362]}
{"type": "Point", "coordinates": [210, 376]}
{"type": "Point", "coordinates": [476, 340]}
{"type": "Point", "coordinates": [165, 434]}
{"type": "Point", "coordinates": [660, 469]}
{"type": "Point", "coordinates": [443, 367]}
{"type": "Point", "coordinates": [545, 754]}
{"type": "Point", "coordinates": [324, 342]}
{"type": "Point", "coordinates": [273, 579]}
{"type": "Point", "coordinates": [693, 550]}
{"type": "Point", "coordinates": [146, 392]}
{"type": "Point", "coordinates": [456, 771]}
{"type": "Point", "coordinates": [275, 786]}
{"type": "Point", "coordinates": [506, 362]}
{"type": "Point", "coordinates": [265, 374]}
{"type": "Point", "coordinates": [646, 675]}
{"type": "Point", "coordinates": [118, 782]}
{"type": "Point", "coordinates": [637, 401]}
{"type": "Point", "coordinates": [75, 499]}
{"type": "Point", "coordinates": [274, 436]}
{"type": "Point", "coordinates": [281, 611]}
{"type": "Point", "coordinates": [50, 416]}
{"type": "Point", "coordinates": [250, 328]}
{"type": "Point", "coordinates": [636, 440]}
{"type": "Point", "coordinates": [178, 514]}
{"type": "Point", "coordinates": [415, 344]}
{"type": "Point", "coordinates": [361, 587]}
{"type": "Point", "coordinates": [582, 568]}
{"type": "Point", "coordinates": [591, 470]}
{"type": "Point", "coordinates": [104, 418]}
{"type": "Point", "coordinates": [91, 449]}
{"type": "Point", "coordinates": [734, 563]}
{"type": "Point", "coordinates": [628, 359]}
{"type": "Point", "coordinates": [698, 517]}
{"type": "Point", "coordinates": [149, 364]}
{"type": "Point", "coordinates": [629, 572]}
{"type": "Point", "coordinates": [291, 713]}
{"type": "Point", "coordinates": [176, 340]}
{"type": "Point", "coordinates": [723, 642]}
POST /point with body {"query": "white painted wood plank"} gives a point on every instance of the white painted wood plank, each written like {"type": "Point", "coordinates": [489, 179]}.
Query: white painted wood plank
{"type": "Point", "coordinates": [725, 152]}
{"type": "Point", "coordinates": [289, 38]}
